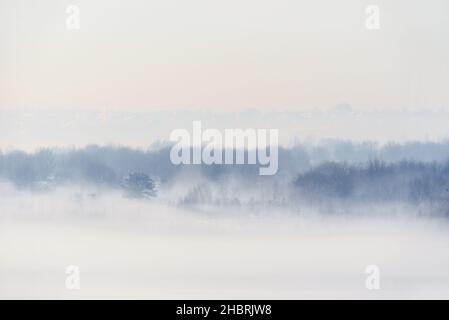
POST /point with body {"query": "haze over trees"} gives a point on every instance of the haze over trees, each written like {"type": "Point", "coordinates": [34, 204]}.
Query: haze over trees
{"type": "Point", "coordinates": [334, 172]}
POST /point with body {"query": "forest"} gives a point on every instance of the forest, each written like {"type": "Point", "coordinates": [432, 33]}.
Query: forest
{"type": "Point", "coordinates": [333, 172]}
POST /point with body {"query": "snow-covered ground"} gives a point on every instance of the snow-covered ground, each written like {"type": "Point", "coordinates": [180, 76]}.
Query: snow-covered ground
{"type": "Point", "coordinates": [127, 248]}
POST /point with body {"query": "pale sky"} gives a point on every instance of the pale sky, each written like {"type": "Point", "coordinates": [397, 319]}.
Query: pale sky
{"type": "Point", "coordinates": [146, 55]}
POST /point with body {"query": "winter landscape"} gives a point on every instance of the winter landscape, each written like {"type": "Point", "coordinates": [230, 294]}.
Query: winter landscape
{"type": "Point", "coordinates": [241, 149]}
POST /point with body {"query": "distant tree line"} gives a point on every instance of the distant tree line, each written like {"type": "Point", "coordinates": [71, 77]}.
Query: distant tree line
{"type": "Point", "coordinates": [336, 172]}
{"type": "Point", "coordinates": [377, 181]}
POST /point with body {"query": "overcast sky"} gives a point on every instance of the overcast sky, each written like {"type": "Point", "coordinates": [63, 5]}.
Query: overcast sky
{"type": "Point", "coordinates": [223, 55]}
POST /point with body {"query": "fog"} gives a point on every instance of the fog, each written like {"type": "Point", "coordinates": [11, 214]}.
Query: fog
{"type": "Point", "coordinates": [32, 129]}
{"type": "Point", "coordinates": [332, 177]}
{"type": "Point", "coordinates": [138, 226]}
{"type": "Point", "coordinates": [140, 248]}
